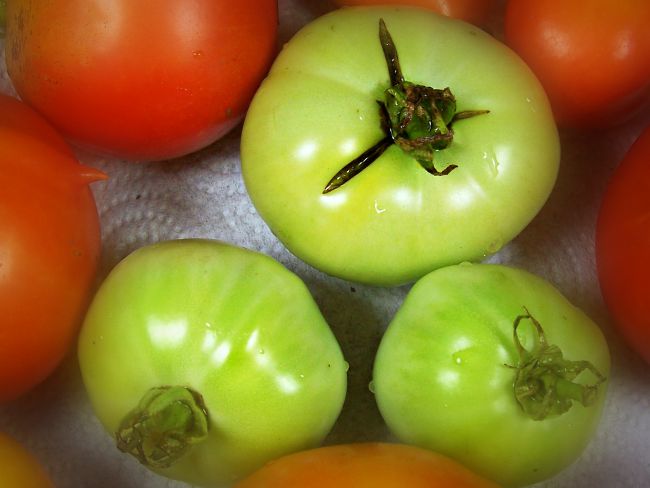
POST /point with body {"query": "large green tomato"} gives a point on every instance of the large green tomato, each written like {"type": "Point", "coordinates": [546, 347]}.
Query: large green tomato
{"type": "Point", "coordinates": [206, 360]}
{"type": "Point", "coordinates": [492, 366]}
{"type": "Point", "coordinates": [396, 220]}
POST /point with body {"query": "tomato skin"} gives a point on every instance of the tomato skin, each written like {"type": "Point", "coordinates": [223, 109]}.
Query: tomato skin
{"type": "Point", "coordinates": [623, 246]}
{"type": "Point", "coordinates": [317, 110]}
{"type": "Point", "coordinates": [475, 11]}
{"type": "Point", "coordinates": [139, 82]}
{"type": "Point", "coordinates": [376, 465]}
{"type": "Point", "coordinates": [592, 57]}
{"type": "Point", "coordinates": [19, 468]}
{"type": "Point", "coordinates": [49, 249]}
{"type": "Point", "coordinates": [442, 378]}
{"type": "Point", "coordinates": [233, 325]}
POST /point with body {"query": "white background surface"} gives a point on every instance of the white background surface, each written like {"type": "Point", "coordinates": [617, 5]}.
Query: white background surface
{"type": "Point", "coordinates": [203, 195]}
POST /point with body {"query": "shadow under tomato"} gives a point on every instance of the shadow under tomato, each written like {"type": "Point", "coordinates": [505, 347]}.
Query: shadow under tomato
{"type": "Point", "coordinates": [358, 316]}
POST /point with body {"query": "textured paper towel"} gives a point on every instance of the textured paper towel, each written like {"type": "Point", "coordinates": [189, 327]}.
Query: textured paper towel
{"type": "Point", "coordinates": [203, 195]}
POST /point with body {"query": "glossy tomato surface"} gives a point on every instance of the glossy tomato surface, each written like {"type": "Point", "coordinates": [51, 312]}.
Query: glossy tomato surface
{"type": "Point", "coordinates": [392, 223]}
{"type": "Point", "coordinates": [140, 80]}
{"type": "Point", "coordinates": [591, 56]}
{"type": "Point", "coordinates": [234, 328]}
{"type": "Point", "coordinates": [49, 247]}
{"type": "Point", "coordinates": [19, 468]}
{"type": "Point", "coordinates": [623, 246]}
{"type": "Point", "coordinates": [474, 11]}
{"type": "Point", "coordinates": [447, 373]}
{"type": "Point", "coordinates": [364, 465]}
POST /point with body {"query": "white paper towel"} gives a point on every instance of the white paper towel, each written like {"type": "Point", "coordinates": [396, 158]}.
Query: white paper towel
{"type": "Point", "coordinates": [203, 195]}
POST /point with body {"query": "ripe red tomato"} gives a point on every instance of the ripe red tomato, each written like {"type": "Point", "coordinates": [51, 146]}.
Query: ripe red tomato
{"type": "Point", "coordinates": [49, 247]}
{"type": "Point", "coordinates": [140, 80]}
{"type": "Point", "coordinates": [623, 246]}
{"type": "Point", "coordinates": [591, 56]}
{"type": "Point", "coordinates": [376, 465]}
{"type": "Point", "coordinates": [475, 11]}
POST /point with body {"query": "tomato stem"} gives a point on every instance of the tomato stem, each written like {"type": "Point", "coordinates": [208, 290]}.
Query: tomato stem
{"type": "Point", "coordinates": [544, 384]}
{"type": "Point", "coordinates": [417, 118]}
{"type": "Point", "coordinates": [165, 424]}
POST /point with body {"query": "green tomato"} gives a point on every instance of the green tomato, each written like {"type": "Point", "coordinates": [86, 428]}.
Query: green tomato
{"type": "Point", "coordinates": [397, 220]}
{"type": "Point", "coordinates": [492, 366]}
{"type": "Point", "coordinates": [205, 361]}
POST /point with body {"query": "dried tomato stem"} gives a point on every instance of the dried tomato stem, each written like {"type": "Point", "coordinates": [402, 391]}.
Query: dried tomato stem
{"type": "Point", "coordinates": [390, 53]}
{"type": "Point", "coordinates": [544, 384]}
{"type": "Point", "coordinates": [417, 118]}
{"type": "Point", "coordinates": [165, 424]}
{"type": "Point", "coordinates": [358, 164]}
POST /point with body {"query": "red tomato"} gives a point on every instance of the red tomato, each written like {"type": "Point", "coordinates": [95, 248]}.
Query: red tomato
{"type": "Point", "coordinates": [623, 246]}
{"type": "Point", "coordinates": [140, 80]}
{"type": "Point", "coordinates": [18, 468]}
{"type": "Point", "coordinates": [376, 465]}
{"type": "Point", "coordinates": [49, 247]}
{"type": "Point", "coordinates": [591, 56]}
{"type": "Point", "coordinates": [475, 11]}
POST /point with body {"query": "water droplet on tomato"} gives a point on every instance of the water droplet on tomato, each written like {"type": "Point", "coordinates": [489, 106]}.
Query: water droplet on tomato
{"type": "Point", "coordinates": [457, 357]}
{"type": "Point", "coordinates": [493, 163]}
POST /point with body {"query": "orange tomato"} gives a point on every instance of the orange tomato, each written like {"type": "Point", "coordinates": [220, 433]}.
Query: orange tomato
{"type": "Point", "coordinates": [475, 11]}
{"type": "Point", "coordinates": [140, 80]}
{"type": "Point", "coordinates": [591, 56]}
{"type": "Point", "coordinates": [623, 246]}
{"type": "Point", "coordinates": [49, 247]}
{"type": "Point", "coordinates": [19, 468]}
{"type": "Point", "coordinates": [365, 465]}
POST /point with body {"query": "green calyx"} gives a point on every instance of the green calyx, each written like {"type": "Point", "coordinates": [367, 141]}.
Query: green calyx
{"type": "Point", "coordinates": [416, 118]}
{"type": "Point", "coordinates": [544, 383]}
{"type": "Point", "coordinates": [167, 422]}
